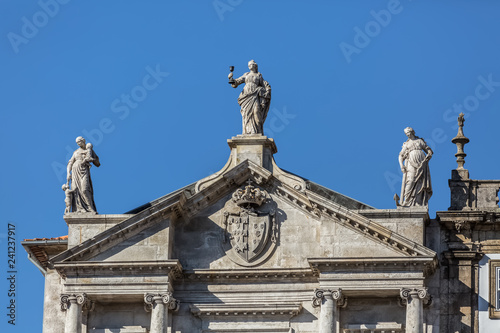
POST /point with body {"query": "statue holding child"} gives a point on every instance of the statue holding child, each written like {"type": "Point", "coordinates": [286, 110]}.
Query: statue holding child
{"type": "Point", "coordinates": [80, 194]}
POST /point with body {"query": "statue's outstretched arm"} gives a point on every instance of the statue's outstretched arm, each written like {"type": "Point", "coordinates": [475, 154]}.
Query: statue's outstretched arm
{"type": "Point", "coordinates": [239, 81]}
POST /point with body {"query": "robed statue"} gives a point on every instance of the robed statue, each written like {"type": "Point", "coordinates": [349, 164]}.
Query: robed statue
{"type": "Point", "coordinates": [80, 195]}
{"type": "Point", "coordinates": [254, 99]}
{"type": "Point", "coordinates": [416, 188]}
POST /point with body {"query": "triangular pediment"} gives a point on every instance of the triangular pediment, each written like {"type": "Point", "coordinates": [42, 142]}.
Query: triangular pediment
{"type": "Point", "coordinates": [187, 203]}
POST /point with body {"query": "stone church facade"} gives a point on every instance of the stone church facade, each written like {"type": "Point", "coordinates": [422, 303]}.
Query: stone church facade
{"type": "Point", "coordinates": [254, 248]}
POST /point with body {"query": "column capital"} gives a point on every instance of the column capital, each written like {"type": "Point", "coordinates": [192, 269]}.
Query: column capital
{"type": "Point", "coordinates": [152, 299]}
{"type": "Point", "coordinates": [335, 294]}
{"type": "Point", "coordinates": [69, 299]}
{"type": "Point", "coordinates": [408, 294]}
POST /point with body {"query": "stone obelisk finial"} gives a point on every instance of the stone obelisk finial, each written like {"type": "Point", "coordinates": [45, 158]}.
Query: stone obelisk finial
{"type": "Point", "coordinates": [460, 140]}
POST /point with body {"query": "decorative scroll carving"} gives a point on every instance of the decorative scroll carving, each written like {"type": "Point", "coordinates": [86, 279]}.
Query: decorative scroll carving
{"type": "Point", "coordinates": [337, 296]}
{"type": "Point", "coordinates": [68, 299]}
{"type": "Point", "coordinates": [318, 297]}
{"type": "Point", "coordinates": [410, 293]}
{"type": "Point", "coordinates": [166, 298]}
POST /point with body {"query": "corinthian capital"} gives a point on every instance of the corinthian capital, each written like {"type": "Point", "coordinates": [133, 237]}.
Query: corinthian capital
{"type": "Point", "coordinates": [68, 300]}
{"type": "Point", "coordinates": [408, 294]}
{"type": "Point", "coordinates": [151, 300]}
{"type": "Point", "coordinates": [335, 294]}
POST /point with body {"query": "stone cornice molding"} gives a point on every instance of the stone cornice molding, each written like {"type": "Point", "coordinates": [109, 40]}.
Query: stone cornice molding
{"type": "Point", "coordinates": [89, 268]}
{"type": "Point", "coordinates": [75, 218]}
{"type": "Point", "coordinates": [427, 265]}
{"type": "Point", "coordinates": [463, 257]}
{"type": "Point", "coordinates": [401, 212]}
{"type": "Point", "coordinates": [167, 298]}
{"type": "Point", "coordinates": [467, 221]}
{"type": "Point", "coordinates": [283, 309]}
{"type": "Point", "coordinates": [249, 274]}
{"type": "Point", "coordinates": [336, 295]}
{"type": "Point", "coordinates": [407, 294]}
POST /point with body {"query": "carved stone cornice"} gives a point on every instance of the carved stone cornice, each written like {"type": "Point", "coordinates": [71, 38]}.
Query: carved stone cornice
{"type": "Point", "coordinates": [167, 298]}
{"type": "Point", "coordinates": [427, 265]}
{"type": "Point", "coordinates": [283, 309]}
{"type": "Point", "coordinates": [462, 222]}
{"type": "Point", "coordinates": [235, 275]}
{"type": "Point", "coordinates": [406, 294]}
{"type": "Point", "coordinates": [336, 295]}
{"type": "Point", "coordinates": [463, 257]}
{"type": "Point", "coordinates": [172, 268]}
{"type": "Point", "coordinates": [67, 300]}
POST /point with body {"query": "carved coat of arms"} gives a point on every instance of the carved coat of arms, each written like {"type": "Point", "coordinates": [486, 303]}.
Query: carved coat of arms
{"type": "Point", "coordinates": [250, 229]}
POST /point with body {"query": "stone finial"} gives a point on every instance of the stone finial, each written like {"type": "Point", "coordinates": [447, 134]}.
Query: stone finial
{"type": "Point", "coordinates": [460, 140]}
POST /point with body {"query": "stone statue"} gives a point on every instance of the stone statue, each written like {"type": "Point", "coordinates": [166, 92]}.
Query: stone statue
{"type": "Point", "coordinates": [254, 99]}
{"type": "Point", "coordinates": [416, 188]}
{"type": "Point", "coordinates": [69, 197]}
{"type": "Point", "coordinates": [82, 192]}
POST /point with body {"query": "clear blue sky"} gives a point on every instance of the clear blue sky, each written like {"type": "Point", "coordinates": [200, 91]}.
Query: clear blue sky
{"type": "Point", "coordinates": [347, 78]}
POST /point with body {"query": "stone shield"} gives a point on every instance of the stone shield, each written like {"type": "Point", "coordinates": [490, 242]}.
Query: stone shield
{"type": "Point", "coordinates": [248, 233]}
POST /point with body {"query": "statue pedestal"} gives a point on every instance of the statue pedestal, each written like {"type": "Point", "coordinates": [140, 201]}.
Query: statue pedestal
{"type": "Point", "coordinates": [82, 227]}
{"type": "Point", "coordinates": [256, 148]}
{"type": "Point", "coordinates": [259, 149]}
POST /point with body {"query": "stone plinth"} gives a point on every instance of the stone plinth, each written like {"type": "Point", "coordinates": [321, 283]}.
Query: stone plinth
{"type": "Point", "coordinates": [82, 227]}
{"type": "Point", "coordinates": [409, 222]}
{"type": "Point", "coordinates": [256, 148]}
